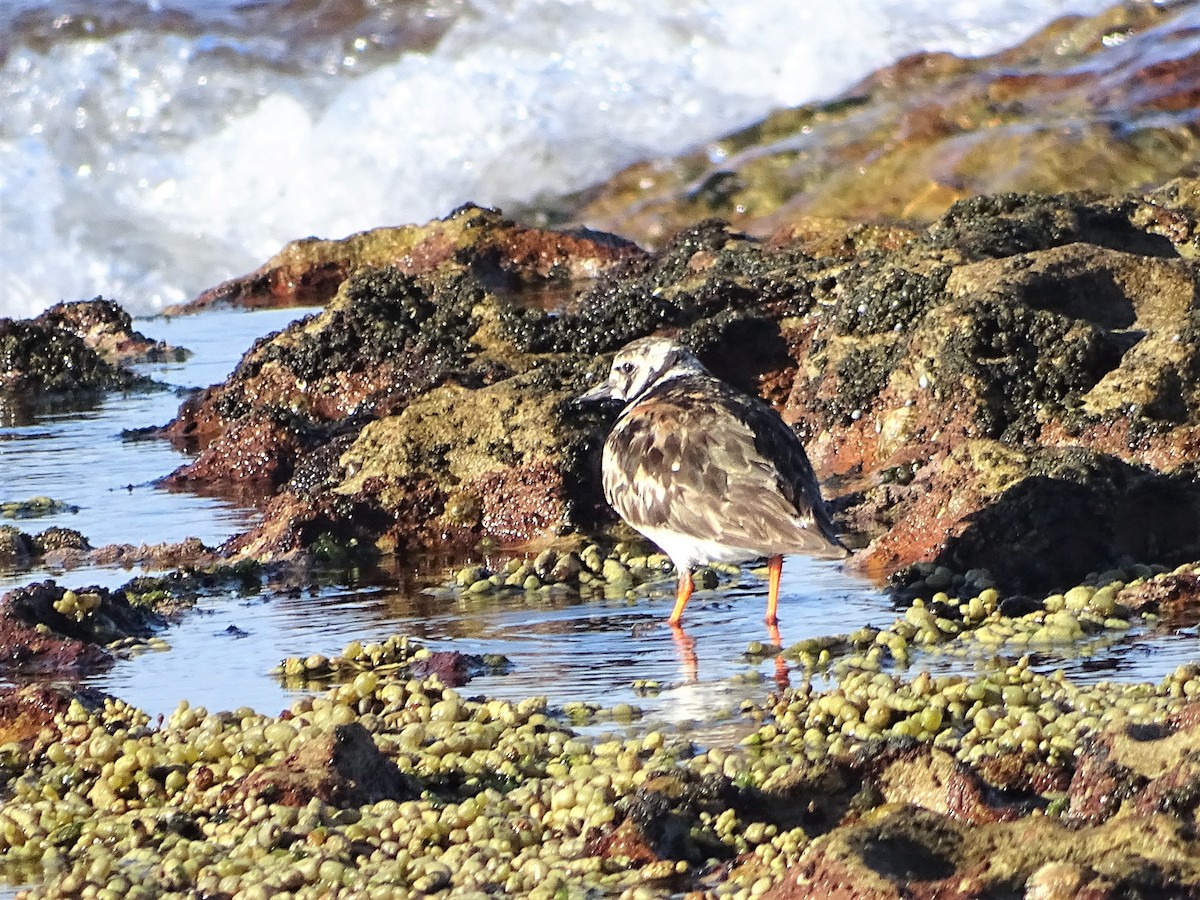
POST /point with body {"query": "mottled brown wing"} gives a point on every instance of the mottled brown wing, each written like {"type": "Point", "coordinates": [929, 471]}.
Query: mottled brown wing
{"type": "Point", "coordinates": [776, 441]}
{"type": "Point", "coordinates": [687, 459]}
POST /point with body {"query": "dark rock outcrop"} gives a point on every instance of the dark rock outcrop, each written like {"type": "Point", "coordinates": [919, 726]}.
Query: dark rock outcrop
{"type": "Point", "coordinates": [1014, 387]}
{"type": "Point", "coordinates": [47, 628]}
{"type": "Point", "coordinates": [72, 354]}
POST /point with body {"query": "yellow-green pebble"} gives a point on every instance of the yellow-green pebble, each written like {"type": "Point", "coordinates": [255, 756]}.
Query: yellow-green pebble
{"type": "Point", "coordinates": [508, 795]}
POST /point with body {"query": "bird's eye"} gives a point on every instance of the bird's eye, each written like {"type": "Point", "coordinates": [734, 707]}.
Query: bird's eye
{"type": "Point", "coordinates": [625, 368]}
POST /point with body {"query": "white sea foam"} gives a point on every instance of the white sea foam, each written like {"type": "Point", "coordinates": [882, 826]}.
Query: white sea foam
{"type": "Point", "coordinates": [147, 167]}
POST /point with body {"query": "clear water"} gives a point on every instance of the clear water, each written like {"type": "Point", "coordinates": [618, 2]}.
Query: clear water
{"type": "Point", "coordinates": [81, 459]}
{"type": "Point", "coordinates": [181, 142]}
{"type": "Point", "coordinates": [564, 650]}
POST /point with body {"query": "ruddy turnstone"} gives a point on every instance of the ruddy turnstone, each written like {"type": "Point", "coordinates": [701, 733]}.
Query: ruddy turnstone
{"type": "Point", "coordinates": [707, 473]}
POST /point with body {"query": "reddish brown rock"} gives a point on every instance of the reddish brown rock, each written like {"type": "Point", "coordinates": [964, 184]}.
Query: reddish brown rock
{"type": "Point", "coordinates": [343, 769]}
{"type": "Point", "coordinates": [1024, 774]}
{"type": "Point", "coordinates": [44, 627]}
{"type": "Point", "coordinates": [627, 844]}
{"type": "Point", "coordinates": [190, 553]}
{"type": "Point", "coordinates": [27, 710]}
{"type": "Point", "coordinates": [395, 408]}
{"type": "Point", "coordinates": [26, 649]}
{"type": "Point", "coordinates": [107, 329]}
{"type": "Point", "coordinates": [917, 855]}
{"type": "Point", "coordinates": [1175, 597]}
{"type": "Point", "coordinates": [1141, 769]}
{"type": "Point", "coordinates": [294, 521]}
{"type": "Point", "coordinates": [309, 272]}
{"type": "Point", "coordinates": [1036, 520]}
{"type": "Point", "coordinates": [936, 781]}
{"type": "Point", "coordinates": [452, 668]}
{"type": "Point", "coordinates": [977, 406]}
{"type": "Point", "coordinates": [521, 504]}
{"type": "Point", "coordinates": [258, 451]}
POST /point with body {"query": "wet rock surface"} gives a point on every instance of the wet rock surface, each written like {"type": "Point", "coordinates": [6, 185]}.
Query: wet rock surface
{"type": "Point", "coordinates": [34, 507]}
{"type": "Point", "coordinates": [1012, 389]}
{"type": "Point", "coordinates": [71, 354]}
{"type": "Point", "coordinates": [1006, 399]}
{"type": "Point", "coordinates": [1101, 103]}
{"type": "Point", "coordinates": [395, 656]}
{"type": "Point", "coordinates": [47, 630]}
{"type": "Point", "coordinates": [67, 548]}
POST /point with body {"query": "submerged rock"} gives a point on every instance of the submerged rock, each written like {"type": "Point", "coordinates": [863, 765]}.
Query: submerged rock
{"type": "Point", "coordinates": [363, 664]}
{"type": "Point", "coordinates": [34, 507]}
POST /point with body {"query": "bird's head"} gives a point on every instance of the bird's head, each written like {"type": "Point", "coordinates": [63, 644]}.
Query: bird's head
{"type": "Point", "coordinates": [640, 365]}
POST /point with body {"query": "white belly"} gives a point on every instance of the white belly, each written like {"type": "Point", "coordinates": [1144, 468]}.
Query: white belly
{"type": "Point", "coordinates": [688, 552]}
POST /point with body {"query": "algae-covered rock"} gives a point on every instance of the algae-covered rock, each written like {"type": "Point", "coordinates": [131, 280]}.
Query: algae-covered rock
{"type": "Point", "coordinates": [70, 356]}
{"type": "Point", "coordinates": [910, 852]}
{"type": "Point", "coordinates": [1021, 368]}
{"type": "Point", "coordinates": [462, 438]}
{"type": "Point", "coordinates": [108, 329]}
{"type": "Point", "coordinates": [1013, 388]}
{"type": "Point", "coordinates": [1084, 104]}
{"type": "Point", "coordinates": [40, 362]}
{"type": "Point", "coordinates": [428, 405]}
{"type": "Point", "coordinates": [384, 784]}
{"type": "Point", "coordinates": [34, 507]}
{"type": "Point", "coordinates": [94, 615]}
{"type": "Point", "coordinates": [311, 271]}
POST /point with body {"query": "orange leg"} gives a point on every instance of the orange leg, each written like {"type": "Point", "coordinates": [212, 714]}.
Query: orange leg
{"type": "Point", "coordinates": [687, 655]}
{"type": "Point", "coordinates": [776, 638]}
{"type": "Point", "coordinates": [774, 570]}
{"type": "Point", "coordinates": [781, 667]}
{"type": "Point", "coordinates": [682, 592]}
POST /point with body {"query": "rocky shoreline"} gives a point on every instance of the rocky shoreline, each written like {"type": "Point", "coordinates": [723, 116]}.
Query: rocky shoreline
{"type": "Point", "coordinates": [999, 387]}
{"type": "Point", "coordinates": [1004, 406]}
{"type": "Point", "coordinates": [890, 783]}
{"type": "Point", "coordinates": [982, 394]}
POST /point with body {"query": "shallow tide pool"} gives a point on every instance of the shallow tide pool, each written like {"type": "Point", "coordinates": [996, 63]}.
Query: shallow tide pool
{"type": "Point", "coordinates": [564, 648]}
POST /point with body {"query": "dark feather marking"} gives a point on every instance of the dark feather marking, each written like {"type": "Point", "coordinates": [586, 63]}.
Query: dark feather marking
{"type": "Point", "coordinates": [697, 457]}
